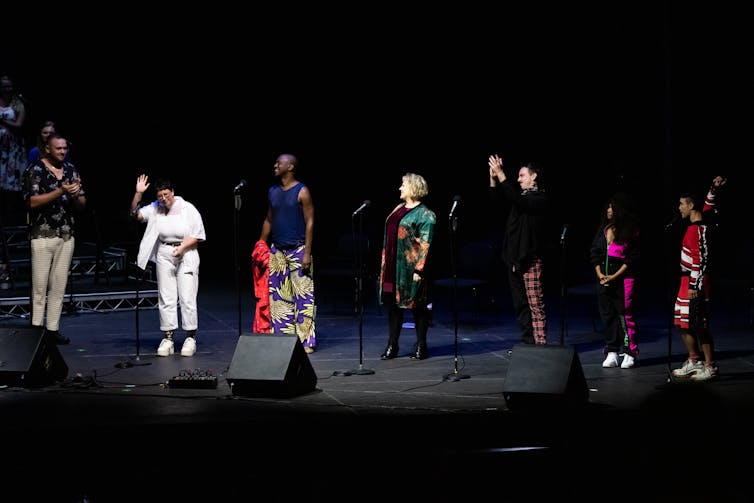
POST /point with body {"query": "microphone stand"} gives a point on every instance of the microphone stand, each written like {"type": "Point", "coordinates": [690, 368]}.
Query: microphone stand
{"type": "Point", "coordinates": [669, 294]}
{"type": "Point", "coordinates": [137, 358]}
{"type": "Point", "coordinates": [236, 221]}
{"type": "Point", "coordinates": [453, 227]}
{"type": "Point", "coordinates": [563, 289]}
{"type": "Point", "coordinates": [358, 244]}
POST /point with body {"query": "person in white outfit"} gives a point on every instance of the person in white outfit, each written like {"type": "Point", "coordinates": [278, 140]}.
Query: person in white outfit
{"type": "Point", "coordinates": [174, 231]}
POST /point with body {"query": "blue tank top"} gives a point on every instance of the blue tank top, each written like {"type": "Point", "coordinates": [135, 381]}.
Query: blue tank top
{"type": "Point", "coordinates": [288, 224]}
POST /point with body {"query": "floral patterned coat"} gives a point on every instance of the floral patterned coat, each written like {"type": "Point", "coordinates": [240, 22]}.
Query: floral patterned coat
{"type": "Point", "coordinates": [415, 232]}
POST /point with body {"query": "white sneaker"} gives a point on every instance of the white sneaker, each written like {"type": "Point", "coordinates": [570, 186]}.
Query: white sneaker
{"type": "Point", "coordinates": [688, 369]}
{"type": "Point", "coordinates": [166, 347]}
{"type": "Point", "coordinates": [611, 360]}
{"type": "Point", "coordinates": [705, 374]}
{"type": "Point", "coordinates": [189, 347]}
{"type": "Point", "coordinates": [628, 361]}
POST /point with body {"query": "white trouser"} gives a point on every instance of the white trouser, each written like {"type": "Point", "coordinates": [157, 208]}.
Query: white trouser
{"type": "Point", "coordinates": [50, 261]}
{"type": "Point", "coordinates": [177, 281]}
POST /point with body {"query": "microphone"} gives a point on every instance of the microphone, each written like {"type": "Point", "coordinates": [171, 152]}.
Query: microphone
{"type": "Point", "coordinates": [361, 208]}
{"type": "Point", "coordinates": [672, 222]}
{"type": "Point", "coordinates": [240, 185]}
{"type": "Point", "coordinates": [456, 200]}
{"type": "Point", "coordinates": [563, 232]}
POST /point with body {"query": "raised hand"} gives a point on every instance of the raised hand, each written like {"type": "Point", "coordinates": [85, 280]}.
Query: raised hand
{"type": "Point", "coordinates": [495, 163]}
{"type": "Point", "coordinates": [142, 183]}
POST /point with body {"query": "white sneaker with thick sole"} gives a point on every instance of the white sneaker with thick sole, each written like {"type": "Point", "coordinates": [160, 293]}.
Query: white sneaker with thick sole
{"type": "Point", "coordinates": [688, 369]}
{"type": "Point", "coordinates": [611, 360]}
{"type": "Point", "coordinates": [706, 373]}
{"type": "Point", "coordinates": [628, 361]}
{"type": "Point", "coordinates": [166, 347]}
{"type": "Point", "coordinates": [189, 347]}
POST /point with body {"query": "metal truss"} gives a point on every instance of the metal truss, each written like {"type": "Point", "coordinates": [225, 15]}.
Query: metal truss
{"type": "Point", "coordinates": [89, 266]}
{"type": "Point", "coordinates": [19, 307]}
{"type": "Point", "coordinates": [113, 260]}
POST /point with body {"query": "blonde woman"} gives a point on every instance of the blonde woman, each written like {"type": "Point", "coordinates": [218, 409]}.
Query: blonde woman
{"type": "Point", "coordinates": [409, 229]}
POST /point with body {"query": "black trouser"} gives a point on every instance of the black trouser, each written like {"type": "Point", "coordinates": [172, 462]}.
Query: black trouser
{"type": "Point", "coordinates": [521, 305]}
{"type": "Point", "coordinates": [612, 307]}
{"type": "Point", "coordinates": [395, 321]}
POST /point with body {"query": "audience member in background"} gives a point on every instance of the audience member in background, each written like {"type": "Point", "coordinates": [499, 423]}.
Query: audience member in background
{"type": "Point", "coordinates": [288, 230]}
{"type": "Point", "coordinates": [47, 128]}
{"type": "Point", "coordinates": [692, 304]}
{"type": "Point", "coordinates": [174, 231]}
{"type": "Point", "coordinates": [614, 254]}
{"type": "Point", "coordinates": [54, 194]}
{"type": "Point", "coordinates": [409, 230]}
{"type": "Point", "coordinates": [524, 243]}
{"type": "Point", "coordinates": [12, 149]}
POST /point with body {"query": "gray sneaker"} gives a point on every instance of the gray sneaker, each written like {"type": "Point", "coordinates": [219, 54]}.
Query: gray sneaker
{"type": "Point", "coordinates": [688, 369]}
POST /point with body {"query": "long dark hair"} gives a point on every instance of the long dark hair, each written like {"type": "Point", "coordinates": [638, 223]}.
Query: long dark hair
{"type": "Point", "coordinates": [625, 221]}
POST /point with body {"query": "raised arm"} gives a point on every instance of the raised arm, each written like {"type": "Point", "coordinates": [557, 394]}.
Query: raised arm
{"type": "Point", "coordinates": [142, 184]}
{"type": "Point", "coordinates": [497, 174]}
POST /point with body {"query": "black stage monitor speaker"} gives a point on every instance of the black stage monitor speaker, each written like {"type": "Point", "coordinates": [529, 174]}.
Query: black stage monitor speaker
{"type": "Point", "coordinates": [28, 359]}
{"type": "Point", "coordinates": [271, 365]}
{"type": "Point", "coordinates": [544, 377]}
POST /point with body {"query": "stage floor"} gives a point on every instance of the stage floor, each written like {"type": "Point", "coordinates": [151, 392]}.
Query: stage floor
{"type": "Point", "coordinates": [375, 430]}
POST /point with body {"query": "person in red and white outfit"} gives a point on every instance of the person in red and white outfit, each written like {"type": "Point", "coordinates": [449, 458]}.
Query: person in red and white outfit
{"type": "Point", "coordinates": [692, 304]}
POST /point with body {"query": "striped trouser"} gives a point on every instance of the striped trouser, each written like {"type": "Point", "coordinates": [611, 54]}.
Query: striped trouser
{"type": "Point", "coordinates": [50, 261]}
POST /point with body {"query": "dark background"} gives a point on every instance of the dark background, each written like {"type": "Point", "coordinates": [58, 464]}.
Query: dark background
{"type": "Point", "coordinates": [651, 98]}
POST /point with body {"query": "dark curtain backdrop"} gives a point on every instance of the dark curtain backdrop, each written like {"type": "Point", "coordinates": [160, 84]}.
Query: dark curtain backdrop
{"type": "Point", "coordinates": [649, 98]}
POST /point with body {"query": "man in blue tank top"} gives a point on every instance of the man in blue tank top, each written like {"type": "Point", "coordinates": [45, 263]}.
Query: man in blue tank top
{"type": "Point", "coordinates": [288, 229]}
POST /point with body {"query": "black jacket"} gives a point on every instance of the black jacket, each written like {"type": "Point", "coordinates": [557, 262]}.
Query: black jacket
{"type": "Point", "coordinates": [526, 227]}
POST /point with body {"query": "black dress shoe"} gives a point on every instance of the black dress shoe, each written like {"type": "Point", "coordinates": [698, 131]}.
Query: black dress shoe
{"type": "Point", "coordinates": [57, 338]}
{"type": "Point", "coordinates": [421, 353]}
{"type": "Point", "coordinates": [391, 352]}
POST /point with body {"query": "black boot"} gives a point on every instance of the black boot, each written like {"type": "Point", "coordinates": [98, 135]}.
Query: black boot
{"type": "Point", "coordinates": [420, 353]}
{"type": "Point", "coordinates": [421, 323]}
{"type": "Point", "coordinates": [395, 322]}
{"type": "Point", "coordinates": [56, 337]}
{"type": "Point", "coordinates": [391, 351]}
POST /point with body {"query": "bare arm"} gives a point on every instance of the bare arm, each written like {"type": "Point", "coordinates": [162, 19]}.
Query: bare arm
{"type": "Point", "coordinates": [266, 227]}
{"type": "Point", "coordinates": [37, 200]}
{"type": "Point", "coordinates": [71, 189]}
{"type": "Point", "coordinates": [20, 118]}
{"type": "Point", "coordinates": [142, 184]}
{"type": "Point", "coordinates": [188, 243]}
{"type": "Point", "coordinates": [305, 198]}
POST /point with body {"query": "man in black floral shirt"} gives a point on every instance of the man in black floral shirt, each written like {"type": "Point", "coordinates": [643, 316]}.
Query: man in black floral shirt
{"type": "Point", "coordinates": [53, 191]}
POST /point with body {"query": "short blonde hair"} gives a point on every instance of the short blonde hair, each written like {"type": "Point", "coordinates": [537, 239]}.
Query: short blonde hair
{"type": "Point", "coordinates": [417, 185]}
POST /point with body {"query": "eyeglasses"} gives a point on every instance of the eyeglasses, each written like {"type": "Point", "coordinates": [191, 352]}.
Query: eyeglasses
{"type": "Point", "coordinates": [164, 196]}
